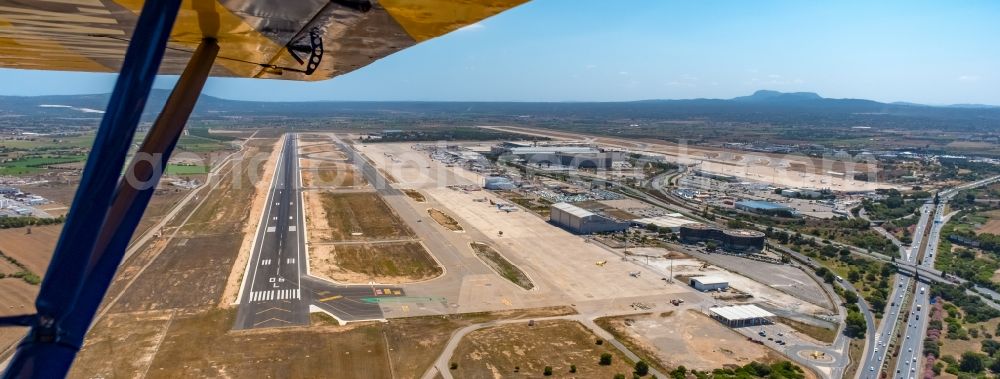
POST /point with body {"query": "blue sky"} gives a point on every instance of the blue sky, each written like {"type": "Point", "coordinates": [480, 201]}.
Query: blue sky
{"type": "Point", "coordinates": [935, 52]}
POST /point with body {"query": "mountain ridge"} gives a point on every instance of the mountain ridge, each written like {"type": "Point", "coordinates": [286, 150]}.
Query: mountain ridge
{"type": "Point", "coordinates": [764, 106]}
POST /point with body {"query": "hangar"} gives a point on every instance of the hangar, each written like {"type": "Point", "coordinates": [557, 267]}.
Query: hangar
{"type": "Point", "coordinates": [708, 283]}
{"type": "Point", "coordinates": [736, 316]}
{"type": "Point", "coordinates": [582, 221]}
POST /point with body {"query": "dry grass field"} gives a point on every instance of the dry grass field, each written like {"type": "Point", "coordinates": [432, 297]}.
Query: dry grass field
{"type": "Point", "coordinates": [202, 346]}
{"type": "Point", "coordinates": [522, 351]}
{"type": "Point", "coordinates": [168, 344]}
{"type": "Point", "coordinates": [501, 265]}
{"type": "Point", "coordinates": [416, 342]}
{"type": "Point", "coordinates": [193, 268]}
{"type": "Point", "coordinates": [444, 220]}
{"type": "Point", "coordinates": [366, 213]}
{"type": "Point", "coordinates": [189, 273]}
{"type": "Point", "coordinates": [332, 175]}
{"type": "Point", "coordinates": [415, 195]}
{"type": "Point", "coordinates": [379, 262]}
{"type": "Point", "coordinates": [309, 148]}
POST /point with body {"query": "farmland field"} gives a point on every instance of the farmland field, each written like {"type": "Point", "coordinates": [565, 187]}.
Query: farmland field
{"type": "Point", "coordinates": [177, 169]}
{"type": "Point", "coordinates": [34, 165]}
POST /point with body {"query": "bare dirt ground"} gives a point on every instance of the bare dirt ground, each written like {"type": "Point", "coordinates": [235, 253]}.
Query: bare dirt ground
{"type": "Point", "coordinates": [693, 340]}
{"type": "Point", "coordinates": [387, 263]}
{"type": "Point", "coordinates": [7, 268]}
{"type": "Point", "coordinates": [332, 175]}
{"type": "Point", "coordinates": [519, 350]}
{"type": "Point", "coordinates": [33, 250]}
{"type": "Point", "coordinates": [16, 298]}
{"type": "Point", "coordinates": [991, 226]}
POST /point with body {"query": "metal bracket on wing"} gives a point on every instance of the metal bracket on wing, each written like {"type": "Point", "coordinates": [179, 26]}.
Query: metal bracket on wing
{"type": "Point", "coordinates": [315, 50]}
{"type": "Point", "coordinates": [314, 37]}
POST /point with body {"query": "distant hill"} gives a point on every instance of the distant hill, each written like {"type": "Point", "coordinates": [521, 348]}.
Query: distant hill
{"type": "Point", "coordinates": [779, 97]}
{"type": "Point", "coordinates": [764, 106]}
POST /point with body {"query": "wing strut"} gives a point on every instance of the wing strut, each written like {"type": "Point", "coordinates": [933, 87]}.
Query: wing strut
{"type": "Point", "coordinates": [137, 186]}
{"type": "Point", "coordinates": [103, 217]}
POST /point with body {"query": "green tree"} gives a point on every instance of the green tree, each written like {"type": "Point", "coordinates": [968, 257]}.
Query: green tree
{"type": "Point", "coordinates": [679, 373]}
{"type": "Point", "coordinates": [855, 324]}
{"type": "Point", "coordinates": [972, 362]}
{"type": "Point", "coordinates": [547, 371]}
{"type": "Point", "coordinates": [641, 368]}
{"type": "Point", "coordinates": [850, 297]}
{"type": "Point", "coordinates": [605, 359]}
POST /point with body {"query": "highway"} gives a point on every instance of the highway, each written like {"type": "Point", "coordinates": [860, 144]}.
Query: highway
{"type": "Point", "coordinates": [277, 290]}
{"type": "Point", "coordinates": [911, 344]}
{"type": "Point", "coordinates": [911, 347]}
{"type": "Point", "coordinates": [877, 352]}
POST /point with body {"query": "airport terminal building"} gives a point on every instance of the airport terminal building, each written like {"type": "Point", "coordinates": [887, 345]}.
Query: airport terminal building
{"type": "Point", "coordinates": [582, 221]}
{"type": "Point", "coordinates": [574, 157]}
{"type": "Point", "coordinates": [738, 240]}
{"type": "Point", "coordinates": [765, 208]}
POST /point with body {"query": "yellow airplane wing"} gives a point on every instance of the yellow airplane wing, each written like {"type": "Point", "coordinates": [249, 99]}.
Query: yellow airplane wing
{"type": "Point", "coordinates": [271, 39]}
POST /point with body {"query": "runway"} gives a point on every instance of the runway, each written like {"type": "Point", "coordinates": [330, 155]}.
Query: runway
{"type": "Point", "coordinates": [276, 289]}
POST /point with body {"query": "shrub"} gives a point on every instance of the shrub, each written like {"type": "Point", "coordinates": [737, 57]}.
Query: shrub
{"type": "Point", "coordinates": [641, 368]}
{"type": "Point", "coordinates": [605, 359]}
